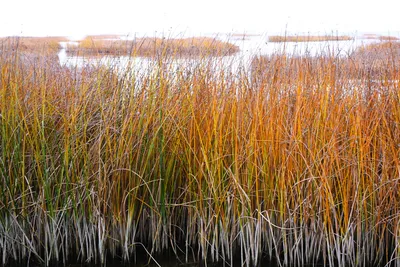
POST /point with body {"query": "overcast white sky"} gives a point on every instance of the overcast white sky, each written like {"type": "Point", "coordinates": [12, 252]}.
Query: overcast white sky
{"type": "Point", "coordinates": [80, 17]}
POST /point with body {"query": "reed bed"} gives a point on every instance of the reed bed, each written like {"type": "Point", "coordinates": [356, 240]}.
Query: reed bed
{"type": "Point", "coordinates": [154, 47]}
{"type": "Point", "coordinates": [308, 38]}
{"type": "Point", "coordinates": [37, 45]}
{"type": "Point", "coordinates": [387, 48]}
{"type": "Point", "coordinates": [297, 161]}
{"type": "Point", "coordinates": [377, 57]}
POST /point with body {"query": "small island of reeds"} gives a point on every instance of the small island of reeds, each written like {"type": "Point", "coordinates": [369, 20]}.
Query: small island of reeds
{"type": "Point", "coordinates": [151, 47]}
{"type": "Point", "coordinates": [37, 45]}
{"type": "Point", "coordinates": [295, 160]}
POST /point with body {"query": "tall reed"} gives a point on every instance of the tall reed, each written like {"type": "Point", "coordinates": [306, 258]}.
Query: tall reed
{"type": "Point", "coordinates": [297, 160]}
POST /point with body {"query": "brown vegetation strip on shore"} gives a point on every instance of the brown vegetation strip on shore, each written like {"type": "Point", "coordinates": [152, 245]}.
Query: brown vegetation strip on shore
{"type": "Point", "coordinates": [372, 61]}
{"type": "Point", "coordinates": [149, 47]}
{"type": "Point", "coordinates": [388, 38]}
{"type": "Point", "coordinates": [379, 37]}
{"type": "Point", "coordinates": [41, 45]}
{"type": "Point", "coordinates": [386, 47]}
{"type": "Point", "coordinates": [307, 38]}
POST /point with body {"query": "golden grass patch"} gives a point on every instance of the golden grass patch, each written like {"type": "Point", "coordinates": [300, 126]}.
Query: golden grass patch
{"type": "Point", "coordinates": [151, 47]}
{"type": "Point", "coordinates": [42, 45]}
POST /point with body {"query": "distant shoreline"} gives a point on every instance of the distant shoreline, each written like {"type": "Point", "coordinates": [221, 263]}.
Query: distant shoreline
{"type": "Point", "coordinates": [113, 45]}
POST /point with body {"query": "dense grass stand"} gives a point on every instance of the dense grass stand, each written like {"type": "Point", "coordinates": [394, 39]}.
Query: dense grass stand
{"type": "Point", "coordinates": [296, 159]}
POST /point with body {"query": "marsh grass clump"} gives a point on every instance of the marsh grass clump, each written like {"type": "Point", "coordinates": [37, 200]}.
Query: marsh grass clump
{"type": "Point", "coordinates": [386, 48]}
{"type": "Point", "coordinates": [297, 161]}
{"type": "Point", "coordinates": [308, 38]}
{"type": "Point", "coordinates": [32, 51]}
{"type": "Point", "coordinates": [154, 47]}
{"type": "Point", "coordinates": [377, 57]}
{"type": "Point", "coordinates": [37, 45]}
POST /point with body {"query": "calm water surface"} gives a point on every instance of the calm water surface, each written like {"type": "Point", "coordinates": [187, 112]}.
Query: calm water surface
{"type": "Point", "coordinates": [249, 47]}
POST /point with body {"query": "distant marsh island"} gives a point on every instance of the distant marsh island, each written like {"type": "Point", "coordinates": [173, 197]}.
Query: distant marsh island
{"type": "Point", "coordinates": [324, 38]}
{"type": "Point", "coordinates": [148, 47]}
{"type": "Point", "coordinates": [113, 45]}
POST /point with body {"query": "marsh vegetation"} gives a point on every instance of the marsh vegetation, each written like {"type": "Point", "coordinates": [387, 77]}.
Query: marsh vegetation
{"type": "Point", "coordinates": [296, 160]}
{"type": "Point", "coordinates": [151, 47]}
{"type": "Point", "coordinates": [37, 45]}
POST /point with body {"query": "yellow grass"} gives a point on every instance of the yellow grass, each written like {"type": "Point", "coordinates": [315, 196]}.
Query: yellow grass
{"type": "Point", "coordinates": [150, 47]}
{"type": "Point", "coordinates": [385, 46]}
{"type": "Point", "coordinates": [43, 45]}
{"type": "Point", "coordinates": [377, 56]}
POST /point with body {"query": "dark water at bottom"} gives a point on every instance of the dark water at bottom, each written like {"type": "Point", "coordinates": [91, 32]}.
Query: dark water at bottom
{"type": "Point", "coordinates": [167, 259]}
{"type": "Point", "coordinates": [164, 262]}
{"type": "Point", "coordinates": [160, 263]}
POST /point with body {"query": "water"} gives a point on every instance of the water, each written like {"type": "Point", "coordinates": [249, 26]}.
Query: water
{"type": "Point", "coordinates": [165, 262]}
{"type": "Point", "coordinates": [161, 263]}
{"type": "Point", "coordinates": [250, 45]}
{"type": "Point", "coordinates": [171, 261]}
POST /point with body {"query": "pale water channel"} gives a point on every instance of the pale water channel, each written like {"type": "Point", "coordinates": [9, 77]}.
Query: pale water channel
{"type": "Point", "coordinates": [250, 46]}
